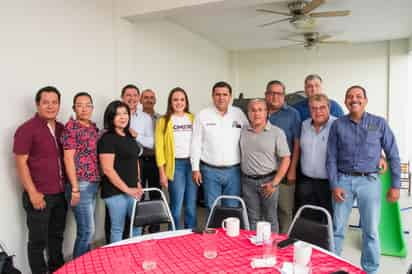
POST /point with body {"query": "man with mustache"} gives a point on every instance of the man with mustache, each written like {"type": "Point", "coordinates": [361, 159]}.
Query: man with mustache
{"type": "Point", "coordinates": [354, 151]}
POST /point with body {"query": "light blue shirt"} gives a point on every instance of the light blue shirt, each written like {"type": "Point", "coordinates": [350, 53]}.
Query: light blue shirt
{"type": "Point", "coordinates": [142, 123]}
{"type": "Point", "coordinates": [313, 147]}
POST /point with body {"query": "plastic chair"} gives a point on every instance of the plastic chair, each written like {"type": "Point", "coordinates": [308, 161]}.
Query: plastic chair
{"type": "Point", "coordinates": [312, 232]}
{"type": "Point", "coordinates": [151, 212]}
{"type": "Point", "coordinates": [218, 213]}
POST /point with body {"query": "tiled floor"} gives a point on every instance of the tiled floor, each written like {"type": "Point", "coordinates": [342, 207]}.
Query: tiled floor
{"type": "Point", "coordinates": [389, 265]}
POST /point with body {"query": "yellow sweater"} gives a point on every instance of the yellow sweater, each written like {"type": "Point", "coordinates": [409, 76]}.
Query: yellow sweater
{"type": "Point", "coordinates": [165, 146]}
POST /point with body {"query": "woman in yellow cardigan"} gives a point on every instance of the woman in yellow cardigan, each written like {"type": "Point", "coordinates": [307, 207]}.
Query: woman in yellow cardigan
{"type": "Point", "coordinates": [173, 138]}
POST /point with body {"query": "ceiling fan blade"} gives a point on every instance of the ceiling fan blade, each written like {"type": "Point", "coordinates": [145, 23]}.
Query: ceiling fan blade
{"type": "Point", "coordinates": [324, 37]}
{"type": "Point", "coordinates": [292, 45]}
{"type": "Point", "coordinates": [275, 12]}
{"type": "Point", "coordinates": [293, 40]}
{"type": "Point", "coordinates": [274, 22]}
{"type": "Point", "coordinates": [330, 13]}
{"type": "Point", "coordinates": [312, 5]}
{"type": "Point", "coordinates": [334, 42]}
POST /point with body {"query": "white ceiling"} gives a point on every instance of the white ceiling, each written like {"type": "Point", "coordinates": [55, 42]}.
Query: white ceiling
{"type": "Point", "coordinates": [234, 24]}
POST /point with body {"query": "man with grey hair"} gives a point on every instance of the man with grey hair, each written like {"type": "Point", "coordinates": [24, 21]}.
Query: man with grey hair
{"type": "Point", "coordinates": [313, 85]}
{"type": "Point", "coordinates": [265, 159]}
{"type": "Point", "coordinates": [313, 187]}
{"type": "Point", "coordinates": [150, 172]}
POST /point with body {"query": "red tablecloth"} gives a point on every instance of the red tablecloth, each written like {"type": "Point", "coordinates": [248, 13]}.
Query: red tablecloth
{"type": "Point", "coordinates": [184, 254]}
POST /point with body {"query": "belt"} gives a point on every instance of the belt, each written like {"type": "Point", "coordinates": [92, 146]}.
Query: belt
{"type": "Point", "coordinates": [358, 174]}
{"type": "Point", "coordinates": [218, 167]}
{"type": "Point", "coordinates": [257, 177]}
{"type": "Point", "coordinates": [303, 176]}
{"type": "Point", "coordinates": [186, 158]}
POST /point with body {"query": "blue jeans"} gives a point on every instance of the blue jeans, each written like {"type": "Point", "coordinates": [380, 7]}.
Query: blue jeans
{"type": "Point", "coordinates": [367, 190]}
{"type": "Point", "coordinates": [84, 215]}
{"type": "Point", "coordinates": [120, 206]}
{"type": "Point", "coordinates": [220, 181]}
{"type": "Point", "coordinates": [182, 190]}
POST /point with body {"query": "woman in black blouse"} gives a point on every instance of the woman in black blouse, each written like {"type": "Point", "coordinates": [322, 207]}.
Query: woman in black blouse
{"type": "Point", "coordinates": [118, 155]}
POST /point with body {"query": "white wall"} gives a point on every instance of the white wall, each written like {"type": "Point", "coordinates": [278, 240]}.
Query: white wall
{"type": "Point", "coordinates": [381, 67]}
{"type": "Point", "coordinates": [168, 56]}
{"type": "Point", "coordinates": [84, 46]}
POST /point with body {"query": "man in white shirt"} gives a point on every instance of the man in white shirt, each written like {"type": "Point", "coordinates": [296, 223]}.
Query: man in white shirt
{"type": "Point", "coordinates": [140, 122]}
{"type": "Point", "coordinates": [215, 154]}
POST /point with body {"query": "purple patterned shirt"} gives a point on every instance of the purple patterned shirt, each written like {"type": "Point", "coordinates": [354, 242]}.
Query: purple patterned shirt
{"type": "Point", "coordinates": [84, 140]}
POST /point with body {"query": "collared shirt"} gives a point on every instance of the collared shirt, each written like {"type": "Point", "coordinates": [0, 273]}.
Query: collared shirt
{"type": "Point", "coordinates": [313, 146]}
{"type": "Point", "coordinates": [142, 123]}
{"type": "Point", "coordinates": [356, 147]}
{"type": "Point", "coordinates": [287, 118]}
{"type": "Point", "coordinates": [82, 139]}
{"type": "Point", "coordinates": [215, 138]}
{"type": "Point", "coordinates": [303, 108]}
{"type": "Point", "coordinates": [261, 152]}
{"type": "Point", "coordinates": [34, 139]}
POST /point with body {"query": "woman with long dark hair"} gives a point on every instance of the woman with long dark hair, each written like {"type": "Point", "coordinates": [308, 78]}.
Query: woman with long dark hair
{"type": "Point", "coordinates": [173, 139]}
{"type": "Point", "coordinates": [119, 155]}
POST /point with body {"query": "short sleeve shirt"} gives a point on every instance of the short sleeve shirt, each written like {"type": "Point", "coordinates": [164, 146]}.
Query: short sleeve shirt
{"type": "Point", "coordinates": [260, 152]}
{"type": "Point", "coordinates": [126, 153]}
{"type": "Point", "coordinates": [82, 139]}
{"type": "Point", "coordinates": [44, 151]}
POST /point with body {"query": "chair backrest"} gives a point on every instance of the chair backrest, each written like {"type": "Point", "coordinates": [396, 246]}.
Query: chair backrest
{"type": "Point", "coordinates": [151, 212]}
{"type": "Point", "coordinates": [310, 231]}
{"type": "Point", "coordinates": [219, 212]}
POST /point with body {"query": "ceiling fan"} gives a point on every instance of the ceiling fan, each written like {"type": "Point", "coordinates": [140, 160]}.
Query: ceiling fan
{"type": "Point", "coordinates": [312, 39]}
{"type": "Point", "coordinates": [301, 15]}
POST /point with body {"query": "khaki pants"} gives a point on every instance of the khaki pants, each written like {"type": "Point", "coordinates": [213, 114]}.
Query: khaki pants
{"type": "Point", "coordinates": [285, 206]}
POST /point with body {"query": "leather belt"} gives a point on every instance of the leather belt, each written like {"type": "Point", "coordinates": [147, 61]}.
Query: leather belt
{"type": "Point", "coordinates": [257, 177]}
{"type": "Point", "coordinates": [218, 167]}
{"type": "Point", "coordinates": [358, 174]}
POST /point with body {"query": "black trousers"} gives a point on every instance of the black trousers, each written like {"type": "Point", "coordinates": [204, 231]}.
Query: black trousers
{"type": "Point", "coordinates": [46, 228]}
{"type": "Point", "coordinates": [313, 191]}
{"type": "Point", "coordinates": [150, 177]}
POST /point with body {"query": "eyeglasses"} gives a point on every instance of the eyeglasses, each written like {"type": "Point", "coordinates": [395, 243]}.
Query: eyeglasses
{"type": "Point", "coordinates": [88, 106]}
{"type": "Point", "coordinates": [274, 94]}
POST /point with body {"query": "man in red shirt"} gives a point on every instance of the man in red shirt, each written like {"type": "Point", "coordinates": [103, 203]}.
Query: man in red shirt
{"type": "Point", "coordinates": [38, 155]}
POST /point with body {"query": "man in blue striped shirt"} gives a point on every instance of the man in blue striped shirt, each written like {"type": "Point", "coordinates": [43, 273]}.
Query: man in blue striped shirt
{"type": "Point", "coordinates": [354, 150]}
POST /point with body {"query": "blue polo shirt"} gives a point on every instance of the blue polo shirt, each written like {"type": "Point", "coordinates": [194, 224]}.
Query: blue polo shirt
{"type": "Point", "coordinates": [288, 119]}
{"type": "Point", "coordinates": [303, 108]}
{"type": "Point", "coordinates": [356, 147]}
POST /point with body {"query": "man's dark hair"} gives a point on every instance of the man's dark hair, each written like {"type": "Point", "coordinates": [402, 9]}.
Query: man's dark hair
{"type": "Point", "coordinates": [129, 86]}
{"type": "Point", "coordinates": [49, 89]}
{"type": "Point", "coordinates": [276, 82]}
{"type": "Point", "coordinates": [356, 86]}
{"type": "Point", "coordinates": [311, 77]}
{"type": "Point", "coordinates": [81, 94]}
{"type": "Point", "coordinates": [222, 84]}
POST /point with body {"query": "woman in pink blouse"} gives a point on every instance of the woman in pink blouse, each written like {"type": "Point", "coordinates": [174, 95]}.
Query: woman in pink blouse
{"type": "Point", "coordinates": [80, 159]}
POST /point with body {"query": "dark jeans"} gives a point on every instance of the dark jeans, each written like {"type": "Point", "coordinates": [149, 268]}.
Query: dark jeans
{"type": "Point", "coordinates": [150, 176]}
{"type": "Point", "coordinates": [312, 191]}
{"type": "Point", "coordinates": [46, 228]}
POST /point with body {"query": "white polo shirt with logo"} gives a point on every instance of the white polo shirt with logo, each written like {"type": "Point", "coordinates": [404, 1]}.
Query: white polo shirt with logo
{"type": "Point", "coordinates": [215, 138]}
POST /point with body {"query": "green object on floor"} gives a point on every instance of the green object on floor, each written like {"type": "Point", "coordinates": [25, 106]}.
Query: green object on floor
{"type": "Point", "coordinates": [390, 226]}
